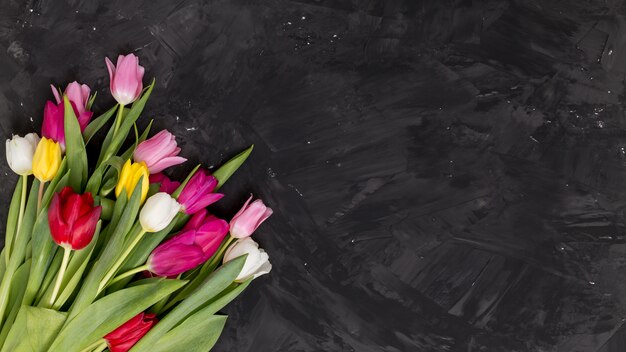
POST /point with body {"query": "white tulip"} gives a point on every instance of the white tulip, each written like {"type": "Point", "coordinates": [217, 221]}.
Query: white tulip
{"type": "Point", "coordinates": [158, 212]}
{"type": "Point", "coordinates": [257, 263]}
{"type": "Point", "coordinates": [20, 151]}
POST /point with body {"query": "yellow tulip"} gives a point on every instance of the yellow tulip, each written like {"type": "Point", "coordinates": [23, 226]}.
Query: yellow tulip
{"type": "Point", "coordinates": [130, 176]}
{"type": "Point", "coordinates": [47, 159]}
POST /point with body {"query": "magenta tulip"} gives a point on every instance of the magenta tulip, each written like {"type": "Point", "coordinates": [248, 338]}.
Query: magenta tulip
{"type": "Point", "coordinates": [198, 193]}
{"type": "Point", "coordinates": [53, 114]}
{"type": "Point", "coordinates": [159, 152]}
{"type": "Point", "coordinates": [189, 249]}
{"type": "Point", "coordinates": [166, 185]}
{"type": "Point", "coordinates": [125, 78]}
{"type": "Point", "coordinates": [249, 218]}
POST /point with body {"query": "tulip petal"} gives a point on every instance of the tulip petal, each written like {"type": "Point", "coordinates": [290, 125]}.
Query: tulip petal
{"type": "Point", "coordinates": [84, 228]}
{"type": "Point", "coordinates": [197, 219]}
{"type": "Point", "coordinates": [55, 92]}
{"type": "Point", "coordinates": [58, 227]}
{"type": "Point", "coordinates": [177, 259]}
{"type": "Point", "coordinates": [204, 202]}
{"type": "Point", "coordinates": [110, 68]}
{"type": "Point", "coordinates": [165, 163]}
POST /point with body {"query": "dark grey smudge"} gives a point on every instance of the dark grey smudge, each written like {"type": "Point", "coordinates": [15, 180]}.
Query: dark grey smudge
{"type": "Point", "coordinates": [447, 175]}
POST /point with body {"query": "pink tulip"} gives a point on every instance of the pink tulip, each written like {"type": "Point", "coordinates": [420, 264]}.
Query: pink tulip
{"type": "Point", "coordinates": [126, 78]}
{"type": "Point", "coordinates": [166, 185]}
{"type": "Point", "coordinates": [159, 152]}
{"type": "Point", "coordinates": [53, 114]}
{"type": "Point", "coordinates": [197, 194]}
{"type": "Point", "coordinates": [249, 218]}
{"type": "Point", "coordinates": [189, 249]}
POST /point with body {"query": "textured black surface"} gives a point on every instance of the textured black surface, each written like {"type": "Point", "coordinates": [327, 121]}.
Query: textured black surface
{"type": "Point", "coordinates": [446, 175]}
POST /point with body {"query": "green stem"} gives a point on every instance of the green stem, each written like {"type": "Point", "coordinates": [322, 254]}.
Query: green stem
{"type": "Point", "coordinates": [20, 216]}
{"type": "Point", "coordinates": [57, 285]}
{"type": "Point", "coordinates": [129, 273]}
{"type": "Point", "coordinates": [96, 346]}
{"type": "Point", "coordinates": [118, 119]}
{"type": "Point", "coordinates": [120, 261]}
{"type": "Point", "coordinates": [40, 196]}
{"type": "Point", "coordinates": [103, 346]}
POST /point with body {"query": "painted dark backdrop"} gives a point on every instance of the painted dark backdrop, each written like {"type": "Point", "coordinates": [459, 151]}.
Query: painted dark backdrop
{"type": "Point", "coordinates": [446, 175]}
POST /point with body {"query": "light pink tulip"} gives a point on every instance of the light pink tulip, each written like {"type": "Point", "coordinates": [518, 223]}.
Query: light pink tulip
{"type": "Point", "coordinates": [126, 78]}
{"type": "Point", "coordinates": [249, 218]}
{"type": "Point", "coordinates": [159, 152]}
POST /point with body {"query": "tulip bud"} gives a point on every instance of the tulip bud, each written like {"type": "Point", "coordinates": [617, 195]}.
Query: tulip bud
{"type": "Point", "coordinates": [72, 218]}
{"type": "Point", "coordinates": [166, 185]}
{"type": "Point", "coordinates": [20, 151]}
{"type": "Point", "coordinates": [47, 159]}
{"type": "Point", "coordinates": [159, 152]}
{"type": "Point", "coordinates": [125, 78]}
{"type": "Point", "coordinates": [158, 212]}
{"type": "Point", "coordinates": [257, 262]}
{"type": "Point", "coordinates": [126, 336]}
{"type": "Point", "coordinates": [189, 249]}
{"type": "Point", "coordinates": [197, 194]}
{"type": "Point", "coordinates": [53, 126]}
{"type": "Point", "coordinates": [129, 177]}
{"type": "Point", "coordinates": [248, 218]}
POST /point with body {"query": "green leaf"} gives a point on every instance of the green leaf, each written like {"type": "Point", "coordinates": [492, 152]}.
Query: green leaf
{"type": "Point", "coordinates": [141, 253]}
{"type": "Point", "coordinates": [73, 274]}
{"type": "Point", "coordinates": [14, 209]}
{"type": "Point", "coordinates": [109, 137]}
{"type": "Point", "coordinates": [184, 183]}
{"type": "Point", "coordinates": [18, 286]}
{"type": "Point", "coordinates": [20, 243]}
{"type": "Point", "coordinates": [112, 250]}
{"type": "Point", "coordinates": [109, 312]}
{"type": "Point", "coordinates": [33, 330]}
{"type": "Point", "coordinates": [91, 100]}
{"type": "Point", "coordinates": [216, 283]}
{"type": "Point", "coordinates": [107, 208]}
{"type": "Point", "coordinates": [96, 124]}
{"type": "Point", "coordinates": [3, 266]}
{"type": "Point", "coordinates": [58, 182]}
{"type": "Point", "coordinates": [198, 333]}
{"type": "Point", "coordinates": [50, 275]}
{"type": "Point", "coordinates": [227, 170]}
{"type": "Point", "coordinates": [74, 149]}
{"type": "Point", "coordinates": [44, 249]}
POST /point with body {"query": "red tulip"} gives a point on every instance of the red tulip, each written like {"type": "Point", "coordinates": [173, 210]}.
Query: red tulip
{"type": "Point", "coordinates": [198, 192]}
{"type": "Point", "coordinates": [53, 114]}
{"type": "Point", "coordinates": [72, 218]}
{"type": "Point", "coordinates": [189, 249]}
{"type": "Point", "coordinates": [168, 186]}
{"type": "Point", "coordinates": [126, 336]}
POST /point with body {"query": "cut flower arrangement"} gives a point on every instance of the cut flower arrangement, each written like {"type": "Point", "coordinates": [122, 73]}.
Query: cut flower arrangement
{"type": "Point", "coordinates": [111, 253]}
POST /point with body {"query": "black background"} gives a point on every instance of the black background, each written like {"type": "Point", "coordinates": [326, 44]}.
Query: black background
{"type": "Point", "coordinates": [445, 175]}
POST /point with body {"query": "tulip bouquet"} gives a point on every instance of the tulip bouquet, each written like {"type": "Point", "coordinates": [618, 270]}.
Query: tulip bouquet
{"type": "Point", "coordinates": [111, 253]}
